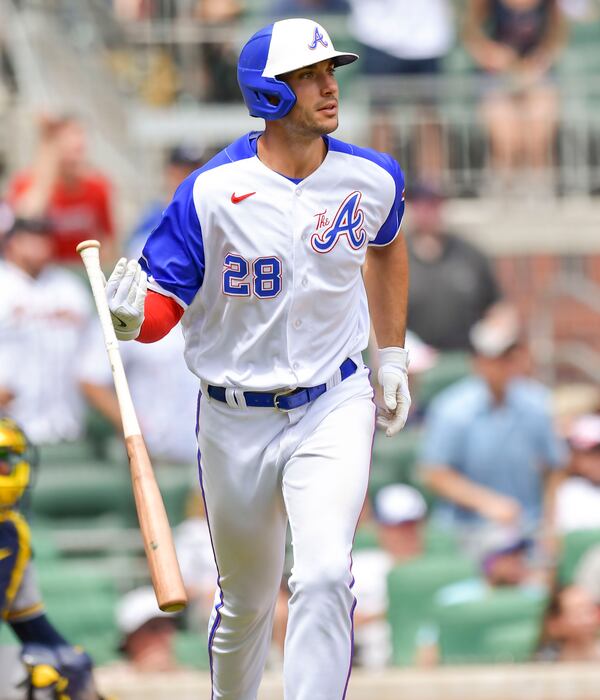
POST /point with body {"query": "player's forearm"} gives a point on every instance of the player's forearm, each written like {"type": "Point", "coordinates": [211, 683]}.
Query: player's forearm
{"type": "Point", "coordinates": [386, 282]}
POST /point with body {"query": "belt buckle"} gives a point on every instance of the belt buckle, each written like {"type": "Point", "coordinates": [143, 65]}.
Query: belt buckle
{"type": "Point", "coordinates": [280, 394]}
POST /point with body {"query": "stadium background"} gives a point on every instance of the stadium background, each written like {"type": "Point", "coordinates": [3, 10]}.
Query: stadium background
{"type": "Point", "coordinates": [139, 83]}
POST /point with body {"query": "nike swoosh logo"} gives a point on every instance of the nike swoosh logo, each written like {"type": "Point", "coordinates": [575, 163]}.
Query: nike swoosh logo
{"type": "Point", "coordinates": [237, 199]}
{"type": "Point", "coordinates": [4, 553]}
{"type": "Point", "coordinates": [121, 324]}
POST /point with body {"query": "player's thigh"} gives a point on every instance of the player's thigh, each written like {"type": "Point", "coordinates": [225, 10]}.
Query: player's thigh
{"type": "Point", "coordinates": [325, 481]}
{"type": "Point", "coordinates": [240, 485]}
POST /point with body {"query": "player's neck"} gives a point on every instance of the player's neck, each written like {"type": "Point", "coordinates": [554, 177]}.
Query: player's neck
{"type": "Point", "coordinates": [296, 158]}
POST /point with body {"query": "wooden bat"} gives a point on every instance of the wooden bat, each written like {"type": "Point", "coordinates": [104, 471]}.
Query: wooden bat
{"type": "Point", "coordinates": [154, 524]}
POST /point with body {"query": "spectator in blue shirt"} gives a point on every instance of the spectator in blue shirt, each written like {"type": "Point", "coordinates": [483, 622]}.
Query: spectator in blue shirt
{"type": "Point", "coordinates": [490, 452]}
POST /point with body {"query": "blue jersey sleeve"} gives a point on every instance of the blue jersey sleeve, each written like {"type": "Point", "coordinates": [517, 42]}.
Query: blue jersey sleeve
{"type": "Point", "coordinates": [391, 225]}
{"type": "Point", "coordinates": [173, 256]}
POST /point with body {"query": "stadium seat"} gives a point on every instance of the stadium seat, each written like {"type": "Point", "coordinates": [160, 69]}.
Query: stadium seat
{"type": "Point", "coordinates": [503, 627]}
{"type": "Point", "coordinates": [450, 368]}
{"type": "Point", "coordinates": [366, 538]}
{"type": "Point", "coordinates": [81, 490]}
{"type": "Point", "coordinates": [411, 589]}
{"type": "Point", "coordinates": [573, 546]}
{"type": "Point", "coordinates": [393, 459]}
{"type": "Point", "coordinates": [191, 650]}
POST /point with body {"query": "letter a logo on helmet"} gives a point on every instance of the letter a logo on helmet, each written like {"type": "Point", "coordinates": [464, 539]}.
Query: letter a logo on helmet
{"type": "Point", "coordinates": [277, 49]}
{"type": "Point", "coordinates": [317, 39]}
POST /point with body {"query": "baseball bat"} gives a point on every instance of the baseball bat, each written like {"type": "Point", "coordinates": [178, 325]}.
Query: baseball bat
{"type": "Point", "coordinates": [154, 524]}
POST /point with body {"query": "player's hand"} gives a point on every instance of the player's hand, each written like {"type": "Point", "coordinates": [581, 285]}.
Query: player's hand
{"type": "Point", "coordinates": [393, 378]}
{"type": "Point", "coordinates": [126, 292]}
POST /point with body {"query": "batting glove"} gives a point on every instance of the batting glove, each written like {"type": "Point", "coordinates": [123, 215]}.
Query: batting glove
{"type": "Point", "coordinates": [393, 378]}
{"type": "Point", "coordinates": [126, 292]}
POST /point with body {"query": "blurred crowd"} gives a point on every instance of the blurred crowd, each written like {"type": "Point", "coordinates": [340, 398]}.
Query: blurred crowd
{"type": "Point", "coordinates": [488, 513]}
{"type": "Point", "coordinates": [494, 473]}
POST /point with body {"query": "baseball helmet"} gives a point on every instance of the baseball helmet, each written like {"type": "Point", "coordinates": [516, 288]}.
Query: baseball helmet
{"type": "Point", "coordinates": [16, 457]}
{"type": "Point", "coordinates": [274, 50]}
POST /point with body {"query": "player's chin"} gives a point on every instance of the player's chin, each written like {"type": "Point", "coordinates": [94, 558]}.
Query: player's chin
{"type": "Point", "coordinates": [327, 124]}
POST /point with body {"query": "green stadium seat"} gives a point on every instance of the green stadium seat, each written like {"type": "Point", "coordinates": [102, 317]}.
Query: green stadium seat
{"type": "Point", "coordinates": [438, 541]}
{"type": "Point", "coordinates": [80, 600]}
{"type": "Point", "coordinates": [573, 546]}
{"type": "Point", "coordinates": [65, 454]}
{"type": "Point", "coordinates": [191, 650]}
{"type": "Point", "coordinates": [450, 368]}
{"type": "Point", "coordinates": [80, 491]}
{"type": "Point", "coordinates": [102, 647]}
{"type": "Point", "coordinates": [502, 627]}
{"type": "Point", "coordinates": [394, 459]}
{"type": "Point", "coordinates": [366, 537]}
{"type": "Point", "coordinates": [411, 590]}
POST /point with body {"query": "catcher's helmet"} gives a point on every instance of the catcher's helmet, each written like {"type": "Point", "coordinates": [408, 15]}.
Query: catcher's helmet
{"type": "Point", "coordinates": [277, 49]}
{"type": "Point", "coordinates": [16, 457]}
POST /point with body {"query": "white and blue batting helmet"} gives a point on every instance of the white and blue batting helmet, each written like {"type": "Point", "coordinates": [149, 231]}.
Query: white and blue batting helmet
{"type": "Point", "coordinates": [274, 50]}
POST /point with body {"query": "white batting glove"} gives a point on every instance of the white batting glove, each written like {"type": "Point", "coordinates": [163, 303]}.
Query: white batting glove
{"type": "Point", "coordinates": [126, 292]}
{"type": "Point", "coordinates": [393, 378]}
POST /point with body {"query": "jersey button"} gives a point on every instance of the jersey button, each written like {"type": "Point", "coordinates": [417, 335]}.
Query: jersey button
{"type": "Point", "coordinates": [295, 365]}
{"type": "Point", "coordinates": [297, 323]}
{"type": "Point", "coordinates": [304, 236]}
{"type": "Point", "coordinates": [305, 281]}
{"type": "Point", "coordinates": [299, 192]}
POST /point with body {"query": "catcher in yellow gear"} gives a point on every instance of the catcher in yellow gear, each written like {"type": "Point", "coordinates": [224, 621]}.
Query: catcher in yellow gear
{"type": "Point", "coordinates": [55, 669]}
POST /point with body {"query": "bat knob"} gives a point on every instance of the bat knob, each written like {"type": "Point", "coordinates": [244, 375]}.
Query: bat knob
{"type": "Point", "coordinates": [87, 244]}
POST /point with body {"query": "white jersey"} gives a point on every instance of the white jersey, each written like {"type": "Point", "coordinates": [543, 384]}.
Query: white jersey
{"type": "Point", "coordinates": [271, 267]}
{"type": "Point", "coordinates": [41, 322]}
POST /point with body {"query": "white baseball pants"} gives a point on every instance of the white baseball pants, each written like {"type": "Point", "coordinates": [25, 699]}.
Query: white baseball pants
{"type": "Point", "coordinates": [259, 468]}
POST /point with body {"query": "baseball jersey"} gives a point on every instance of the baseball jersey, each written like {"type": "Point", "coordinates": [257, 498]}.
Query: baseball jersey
{"type": "Point", "coordinates": [268, 269]}
{"type": "Point", "coordinates": [41, 322]}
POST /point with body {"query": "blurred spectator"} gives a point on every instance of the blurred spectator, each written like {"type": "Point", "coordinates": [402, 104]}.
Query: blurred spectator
{"type": "Point", "coordinates": [306, 8]}
{"type": "Point", "coordinates": [153, 370]}
{"type": "Point", "coordinates": [400, 514]}
{"type": "Point", "coordinates": [578, 497]}
{"type": "Point", "coordinates": [62, 187]}
{"type": "Point", "coordinates": [43, 311]}
{"type": "Point", "coordinates": [452, 283]}
{"type": "Point", "coordinates": [182, 160]}
{"type": "Point", "coordinates": [406, 40]}
{"type": "Point", "coordinates": [571, 629]}
{"type": "Point", "coordinates": [148, 633]}
{"type": "Point", "coordinates": [515, 44]}
{"type": "Point", "coordinates": [490, 451]}
{"type": "Point", "coordinates": [587, 573]}
{"type": "Point", "coordinates": [505, 561]}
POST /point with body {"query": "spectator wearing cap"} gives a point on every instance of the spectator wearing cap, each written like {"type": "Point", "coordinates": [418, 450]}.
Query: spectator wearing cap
{"type": "Point", "coordinates": [452, 283]}
{"type": "Point", "coordinates": [62, 186]}
{"type": "Point", "coordinates": [578, 496]}
{"type": "Point", "coordinates": [181, 161]}
{"type": "Point", "coordinates": [505, 561]}
{"type": "Point", "coordinates": [490, 451]}
{"type": "Point", "coordinates": [147, 633]}
{"type": "Point", "coordinates": [400, 512]}
{"type": "Point", "coordinates": [43, 310]}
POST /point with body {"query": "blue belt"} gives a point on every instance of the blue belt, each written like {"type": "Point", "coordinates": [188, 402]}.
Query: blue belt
{"type": "Point", "coordinates": [284, 400]}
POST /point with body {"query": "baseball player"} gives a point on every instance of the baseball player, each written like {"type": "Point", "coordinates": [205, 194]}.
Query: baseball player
{"type": "Point", "coordinates": [55, 669]}
{"type": "Point", "coordinates": [270, 256]}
